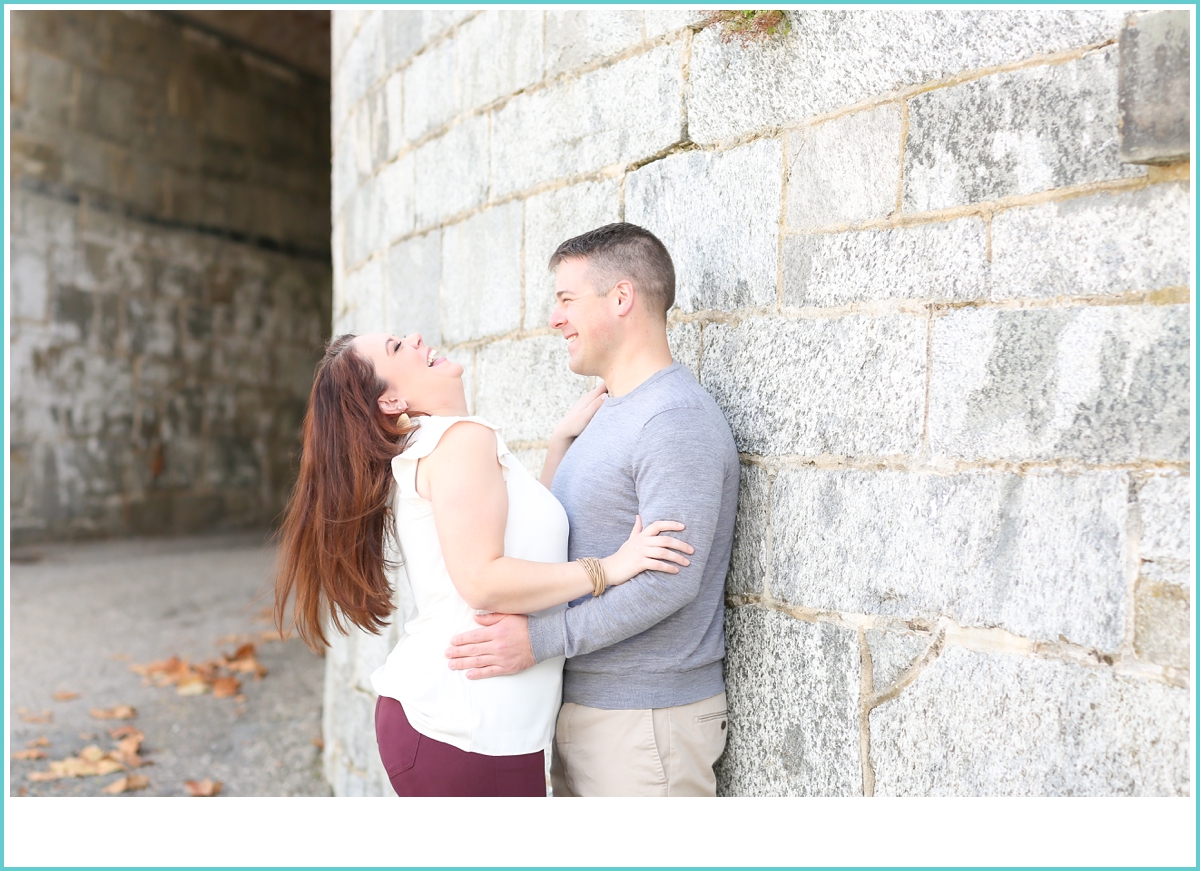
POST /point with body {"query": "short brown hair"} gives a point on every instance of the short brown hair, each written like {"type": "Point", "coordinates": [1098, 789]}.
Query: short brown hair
{"type": "Point", "coordinates": [623, 250]}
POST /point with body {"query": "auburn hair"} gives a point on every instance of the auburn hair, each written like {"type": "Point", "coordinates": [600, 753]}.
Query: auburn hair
{"type": "Point", "coordinates": [331, 540]}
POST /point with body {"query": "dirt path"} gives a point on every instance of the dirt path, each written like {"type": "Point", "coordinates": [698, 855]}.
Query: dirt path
{"type": "Point", "coordinates": [81, 615]}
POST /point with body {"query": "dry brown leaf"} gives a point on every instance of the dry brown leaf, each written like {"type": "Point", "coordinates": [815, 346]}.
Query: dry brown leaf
{"type": "Point", "coordinates": [269, 635]}
{"type": "Point", "coordinates": [22, 791]}
{"type": "Point", "coordinates": [224, 687]}
{"type": "Point", "coordinates": [319, 742]}
{"type": "Point", "coordinates": [127, 749]}
{"type": "Point", "coordinates": [39, 741]}
{"type": "Point", "coordinates": [29, 754]}
{"type": "Point", "coordinates": [120, 657]}
{"type": "Point", "coordinates": [43, 717]}
{"type": "Point", "coordinates": [87, 736]}
{"type": "Point", "coordinates": [124, 731]}
{"type": "Point", "coordinates": [203, 788]}
{"type": "Point", "coordinates": [120, 712]}
{"type": "Point", "coordinates": [90, 762]}
{"type": "Point", "coordinates": [127, 784]}
{"type": "Point", "coordinates": [65, 696]}
{"type": "Point", "coordinates": [193, 686]}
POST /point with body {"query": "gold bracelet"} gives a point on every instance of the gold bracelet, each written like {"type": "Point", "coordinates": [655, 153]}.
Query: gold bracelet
{"type": "Point", "coordinates": [595, 571]}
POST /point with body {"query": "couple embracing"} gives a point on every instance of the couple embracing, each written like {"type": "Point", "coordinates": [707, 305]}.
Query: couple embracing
{"type": "Point", "coordinates": [511, 577]}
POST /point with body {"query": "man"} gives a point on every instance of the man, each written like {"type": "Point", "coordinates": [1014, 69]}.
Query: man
{"type": "Point", "coordinates": [643, 694]}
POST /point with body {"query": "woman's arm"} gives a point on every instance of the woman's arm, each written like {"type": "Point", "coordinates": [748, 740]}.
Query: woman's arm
{"type": "Point", "coordinates": [569, 428]}
{"type": "Point", "coordinates": [463, 480]}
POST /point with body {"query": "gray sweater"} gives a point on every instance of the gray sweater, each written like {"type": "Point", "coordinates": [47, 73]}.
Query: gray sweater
{"type": "Point", "coordinates": [664, 451]}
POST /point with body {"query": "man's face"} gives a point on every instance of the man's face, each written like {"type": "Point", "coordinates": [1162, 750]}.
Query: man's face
{"type": "Point", "coordinates": [587, 321]}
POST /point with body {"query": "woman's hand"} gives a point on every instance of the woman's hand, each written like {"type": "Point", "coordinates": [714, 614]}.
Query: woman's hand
{"type": "Point", "coordinates": [647, 550]}
{"type": "Point", "coordinates": [580, 415]}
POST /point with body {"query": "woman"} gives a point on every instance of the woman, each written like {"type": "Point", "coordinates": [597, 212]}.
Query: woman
{"type": "Point", "coordinates": [388, 449]}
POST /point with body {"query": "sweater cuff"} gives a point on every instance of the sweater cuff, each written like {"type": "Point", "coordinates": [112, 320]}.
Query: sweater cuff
{"type": "Point", "coordinates": [547, 635]}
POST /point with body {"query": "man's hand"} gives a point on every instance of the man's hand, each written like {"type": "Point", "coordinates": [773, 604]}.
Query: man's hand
{"type": "Point", "coordinates": [501, 647]}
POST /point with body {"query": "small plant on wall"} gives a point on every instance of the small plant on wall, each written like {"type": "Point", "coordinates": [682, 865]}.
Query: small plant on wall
{"type": "Point", "coordinates": [750, 25]}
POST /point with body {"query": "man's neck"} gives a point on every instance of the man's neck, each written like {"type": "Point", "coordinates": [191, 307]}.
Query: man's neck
{"type": "Point", "coordinates": [633, 366]}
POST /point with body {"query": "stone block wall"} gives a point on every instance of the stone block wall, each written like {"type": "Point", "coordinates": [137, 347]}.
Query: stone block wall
{"type": "Point", "coordinates": [949, 327]}
{"type": "Point", "coordinates": [169, 279]}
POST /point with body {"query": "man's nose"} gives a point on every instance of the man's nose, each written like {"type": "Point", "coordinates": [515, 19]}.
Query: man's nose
{"type": "Point", "coordinates": [556, 318]}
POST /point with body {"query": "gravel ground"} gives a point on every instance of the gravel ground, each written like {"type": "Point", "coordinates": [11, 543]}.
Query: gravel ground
{"type": "Point", "coordinates": [79, 615]}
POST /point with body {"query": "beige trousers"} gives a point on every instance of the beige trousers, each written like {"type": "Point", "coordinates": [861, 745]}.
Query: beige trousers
{"type": "Point", "coordinates": [658, 752]}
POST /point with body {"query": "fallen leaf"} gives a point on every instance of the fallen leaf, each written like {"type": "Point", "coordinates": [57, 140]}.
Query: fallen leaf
{"type": "Point", "coordinates": [127, 749]}
{"type": "Point", "coordinates": [90, 762]}
{"type": "Point", "coordinates": [203, 788]}
{"type": "Point", "coordinates": [266, 615]}
{"type": "Point", "coordinates": [120, 657]}
{"type": "Point", "coordinates": [319, 742]}
{"type": "Point", "coordinates": [65, 696]}
{"type": "Point", "coordinates": [120, 712]}
{"type": "Point", "coordinates": [40, 741]}
{"type": "Point", "coordinates": [239, 698]}
{"type": "Point", "coordinates": [269, 635]}
{"type": "Point", "coordinates": [123, 731]}
{"type": "Point", "coordinates": [22, 791]}
{"type": "Point", "coordinates": [224, 687]}
{"type": "Point", "coordinates": [193, 686]}
{"type": "Point", "coordinates": [127, 784]}
{"type": "Point", "coordinates": [43, 717]}
{"type": "Point", "coordinates": [29, 754]}
{"type": "Point", "coordinates": [87, 736]}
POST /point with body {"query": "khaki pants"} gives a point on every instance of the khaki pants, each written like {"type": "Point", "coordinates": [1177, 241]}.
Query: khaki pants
{"type": "Point", "coordinates": [659, 752]}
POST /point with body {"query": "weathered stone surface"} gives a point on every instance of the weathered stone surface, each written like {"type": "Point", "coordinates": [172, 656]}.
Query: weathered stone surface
{"type": "Point", "coordinates": [1162, 624]}
{"type": "Point", "coordinates": [941, 262]}
{"type": "Point", "coordinates": [1164, 503]}
{"type": "Point", "coordinates": [30, 276]}
{"type": "Point", "coordinates": [396, 184]}
{"type": "Point", "coordinates": [551, 219]}
{"type": "Point", "coordinates": [366, 222]}
{"type": "Point", "coordinates": [684, 341]}
{"type": "Point", "coordinates": [1014, 133]}
{"type": "Point", "coordinates": [452, 172]}
{"type": "Point", "coordinates": [1093, 246]}
{"type": "Point", "coordinates": [893, 653]}
{"type": "Point", "coordinates": [499, 53]}
{"type": "Point", "coordinates": [666, 19]}
{"type": "Point", "coordinates": [614, 115]}
{"type": "Point", "coordinates": [727, 260]}
{"type": "Point", "coordinates": [431, 92]}
{"type": "Point", "coordinates": [525, 386]}
{"type": "Point", "coordinates": [748, 564]}
{"type": "Point", "coordinates": [1106, 384]}
{"type": "Point", "coordinates": [821, 64]}
{"type": "Point", "coordinates": [996, 724]}
{"type": "Point", "coordinates": [852, 385]}
{"type": "Point", "coordinates": [845, 170]}
{"type": "Point", "coordinates": [1155, 93]}
{"type": "Point", "coordinates": [793, 707]}
{"type": "Point", "coordinates": [360, 67]}
{"type": "Point", "coordinates": [481, 275]}
{"type": "Point", "coordinates": [578, 37]}
{"type": "Point", "coordinates": [365, 305]}
{"type": "Point", "coordinates": [1041, 555]}
{"type": "Point", "coordinates": [414, 287]}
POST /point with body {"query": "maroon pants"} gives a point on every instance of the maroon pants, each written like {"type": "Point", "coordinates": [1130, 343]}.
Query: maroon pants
{"type": "Point", "coordinates": [418, 765]}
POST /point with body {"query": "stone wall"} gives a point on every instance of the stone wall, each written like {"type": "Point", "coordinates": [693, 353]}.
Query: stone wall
{"type": "Point", "coordinates": [170, 274]}
{"type": "Point", "coordinates": [948, 325]}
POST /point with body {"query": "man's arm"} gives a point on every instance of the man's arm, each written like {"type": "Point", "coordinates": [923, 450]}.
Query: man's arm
{"type": "Point", "coordinates": [679, 473]}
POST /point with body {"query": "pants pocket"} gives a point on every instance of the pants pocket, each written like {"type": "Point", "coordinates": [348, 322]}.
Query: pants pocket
{"type": "Point", "coordinates": [398, 740]}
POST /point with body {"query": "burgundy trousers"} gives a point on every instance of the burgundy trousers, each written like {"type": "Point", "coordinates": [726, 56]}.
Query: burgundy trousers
{"type": "Point", "coordinates": [418, 765]}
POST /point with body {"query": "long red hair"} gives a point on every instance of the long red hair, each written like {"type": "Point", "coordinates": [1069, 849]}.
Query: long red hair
{"type": "Point", "coordinates": [332, 536]}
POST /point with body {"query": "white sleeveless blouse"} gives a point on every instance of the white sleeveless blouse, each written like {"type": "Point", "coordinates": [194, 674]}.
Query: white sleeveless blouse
{"type": "Point", "coordinates": [498, 716]}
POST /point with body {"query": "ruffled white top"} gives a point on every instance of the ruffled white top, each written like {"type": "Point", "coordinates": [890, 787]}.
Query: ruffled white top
{"type": "Point", "coordinates": [499, 716]}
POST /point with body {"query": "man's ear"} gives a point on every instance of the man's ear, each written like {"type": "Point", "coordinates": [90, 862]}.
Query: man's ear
{"type": "Point", "coordinates": [623, 295]}
{"type": "Point", "coordinates": [390, 403]}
